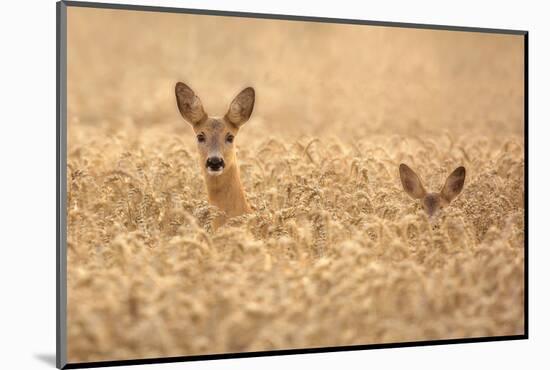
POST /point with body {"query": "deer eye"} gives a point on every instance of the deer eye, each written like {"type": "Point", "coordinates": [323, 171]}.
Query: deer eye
{"type": "Point", "coordinates": [230, 138]}
{"type": "Point", "coordinates": [201, 138]}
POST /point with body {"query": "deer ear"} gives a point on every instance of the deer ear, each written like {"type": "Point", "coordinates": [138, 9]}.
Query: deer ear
{"type": "Point", "coordinates": [454, 184]}
{"type": "Point", "coordinates": [241, 107]}
{"type": "Point", "coordinates": [189, 104]}
{"type": "Point", "coordinates": [411, 182]}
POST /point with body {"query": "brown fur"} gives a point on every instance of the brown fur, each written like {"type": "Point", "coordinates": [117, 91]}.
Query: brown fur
{"type": "Point", "coordinates": [225, 190]}
{"type": "Point", "coordinates": [432, 202]}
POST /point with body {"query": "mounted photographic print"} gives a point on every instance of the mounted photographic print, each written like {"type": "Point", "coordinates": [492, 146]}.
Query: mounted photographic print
{"type": "Point", "coordinates": [236, 184]}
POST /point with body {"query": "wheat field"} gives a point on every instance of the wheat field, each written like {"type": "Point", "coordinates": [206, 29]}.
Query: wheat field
{"type": "Point", "coordinates": [334, 253]}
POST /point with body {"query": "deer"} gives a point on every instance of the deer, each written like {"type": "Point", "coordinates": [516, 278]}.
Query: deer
{"type": "Point", "coordinates": [216, 147]}
{"type": "Point", "coordinates": [432, 203]}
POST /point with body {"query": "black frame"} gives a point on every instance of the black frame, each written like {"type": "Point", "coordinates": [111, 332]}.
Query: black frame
{"type": "Point", "coordinates": [61, 191]}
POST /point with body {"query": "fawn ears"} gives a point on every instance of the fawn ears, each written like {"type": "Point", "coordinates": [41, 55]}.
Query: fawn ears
{"type": "Point", "coordinates": [411, 182]}
{"type": "Point", "coordinates": [241, 107]}
{"type": "Point", "coordinates": [454, 184]}
{"type": "Point", "coordinates": [189, 104]}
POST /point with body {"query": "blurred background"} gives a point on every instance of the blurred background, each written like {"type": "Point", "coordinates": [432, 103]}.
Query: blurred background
{"type": "Point", "coordinates": [310, 78]}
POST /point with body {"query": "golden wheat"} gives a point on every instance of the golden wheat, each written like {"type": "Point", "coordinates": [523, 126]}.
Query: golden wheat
{"type": "Point", "coordinates": [334, 252]}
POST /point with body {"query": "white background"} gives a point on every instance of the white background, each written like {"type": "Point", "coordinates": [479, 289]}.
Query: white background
{"type": "Point", "coordinates": [27, 183]}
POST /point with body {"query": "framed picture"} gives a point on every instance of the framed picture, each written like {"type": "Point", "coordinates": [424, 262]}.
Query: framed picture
{"type": "Point", "coordinates": [234, 184]}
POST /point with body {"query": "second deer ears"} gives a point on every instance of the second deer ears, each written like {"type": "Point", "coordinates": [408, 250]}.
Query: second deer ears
{"type": "Point", "coordinates": [411, 182]}
{"type": "Point", "coordinates": [414, 188]}
{"type": "Point", "coordinates": [454, 184]}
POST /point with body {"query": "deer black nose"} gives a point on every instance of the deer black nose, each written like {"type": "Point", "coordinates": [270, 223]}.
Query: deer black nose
{"type": "Point", "coordinates": [215, 163]}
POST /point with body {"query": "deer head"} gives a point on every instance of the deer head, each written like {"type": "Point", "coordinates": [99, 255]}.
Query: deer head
{"type": "Point", "coordinates": [215, 135]}
{"type": "Point", "coordinates": [432, 202]}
